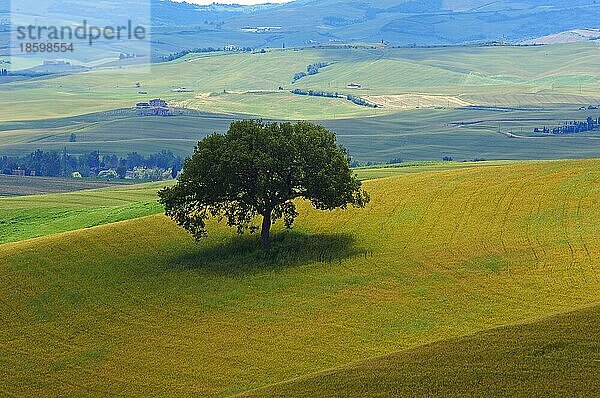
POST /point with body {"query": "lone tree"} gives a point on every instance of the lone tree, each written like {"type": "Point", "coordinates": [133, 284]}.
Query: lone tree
{"type": "Point", "coordinates": [257, 169]}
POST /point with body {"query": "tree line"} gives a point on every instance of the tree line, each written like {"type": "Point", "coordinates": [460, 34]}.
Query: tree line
{"type": "Point", "coordinates": [183, 53]}
{"type": "Point", "coordinates": [571, 127]}
{"type": "Point", "coordinates": [91, 164]}
{"type": "Point", "coordinates": [311, 69]}
{"type": "Point", "coordinates": [352, 98]}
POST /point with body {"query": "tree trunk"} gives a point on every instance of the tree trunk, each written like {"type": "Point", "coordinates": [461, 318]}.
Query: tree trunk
{"type": "Point", "coordinates": [265, 234]}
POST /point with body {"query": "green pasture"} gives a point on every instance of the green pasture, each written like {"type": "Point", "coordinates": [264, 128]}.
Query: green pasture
{"type": "Point", "coordinates": [25, 217]}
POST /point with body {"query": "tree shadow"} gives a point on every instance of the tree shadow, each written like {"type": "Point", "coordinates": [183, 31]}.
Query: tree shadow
{"type": "Point", "coordinates": [242, 255]}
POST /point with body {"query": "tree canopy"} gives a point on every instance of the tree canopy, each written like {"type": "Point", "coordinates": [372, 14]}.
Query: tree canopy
{"type": "Point", "coordinates": [258, 169]}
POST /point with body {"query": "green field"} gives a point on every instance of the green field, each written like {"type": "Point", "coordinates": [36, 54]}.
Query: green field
{"type": "Point", "coordinates": [25, 217]}
{"type": "Point", "coordinates": [138, 309]}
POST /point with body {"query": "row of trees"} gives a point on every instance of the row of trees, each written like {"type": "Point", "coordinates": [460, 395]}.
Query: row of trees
{"type": "Point", "coordinates": [311, 69]}
{"type": "Point", "coordinates": [572, 127]}
{"type": "Point", "coordinates": [313, 93]}
{"type": "Point", "coordinates": [183, 53]}
{"type": "Point", "coordinates": [91, 164]}
{"type": "Point", "coordinates": [361, 101]}
{"type": "Point", "coordinates": [352, 98]}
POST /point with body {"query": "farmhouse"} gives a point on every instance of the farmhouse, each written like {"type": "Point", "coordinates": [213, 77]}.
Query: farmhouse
{"type": "Point", "coordinates": [154, 107]}
{"type": "Point", "coordinates": [158, 103]}
{"type": "Point", "coordinates": [182, 90]}
{"type": "Point", "coordinates": [56, 63]}
{"type": "Point", "coordinates": [354, 85]}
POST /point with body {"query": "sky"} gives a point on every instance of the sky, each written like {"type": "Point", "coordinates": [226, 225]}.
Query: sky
{"type": "Point", "coordinates": [246, 2]}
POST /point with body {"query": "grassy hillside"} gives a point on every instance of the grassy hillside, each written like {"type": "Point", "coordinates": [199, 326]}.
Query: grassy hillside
{"type": "Point", "coordinates": [248, 83]}
{"type": "Point", "coordinates": [137, 308]}
{"type": "Point", "coordinates": [554, 356]}
{"type": "Point", "coordinates": [419, 134]}
{"type": "Point", "coordinates": [206, 74]}
{"type": "Point", "coordinates": [25, 217]}
{"type": "Point", "coordinates": [424, 92]}
{"type": "Point", "coordinates": [118, 132]}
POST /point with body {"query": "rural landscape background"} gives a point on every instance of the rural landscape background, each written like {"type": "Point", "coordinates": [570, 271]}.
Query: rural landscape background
{"type": "Point", "coordinates": [473, 271]}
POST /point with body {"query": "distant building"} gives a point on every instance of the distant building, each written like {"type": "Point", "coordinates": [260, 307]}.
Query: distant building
{"type": "Point", "coordinates": [182, 90]}
{"type": "Point", "coordinates": [56, 62]}
{"type": "Point", "coordinates": [158, 102]}
{"type": "Point", "coordinates": [354, 85]}
{"type": "Point", "coordinates": [127, 55]}
{"type": "Point", "coordinates": [260, 29]}
{"type": "Point", "coordinates": [155, 107]}
{"type": "Point", "coordinates": [18, 172]}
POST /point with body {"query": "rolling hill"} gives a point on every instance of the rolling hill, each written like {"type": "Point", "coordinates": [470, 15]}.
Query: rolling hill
{"type": "Point", "coordinates": [436, 102]}
{"type": "Point", "coordinates": [571, 36]}
{"type": "Point", "coordinates": [553, 356]}
{"type": "Point", "coordinates": [248, 83]}
{"type": "Point", "coordinates": [178, 26]}
{"type": "Point", "coordinates": [411, 135]}
{"type": "Point", "coordinates": [137, 308]}
{"type": "Point", "coordinates": [84, 204]}
{"type": "Point", "coordinates": [26, 217]}
{"type": "Point", "coordinates": [430, 22]}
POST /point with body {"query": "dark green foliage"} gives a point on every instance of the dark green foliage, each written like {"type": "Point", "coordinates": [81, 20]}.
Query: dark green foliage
{"type": "Point", "coordinates": [573, 127]}
{"type": "Point", "coordinates": [361, 101]}
{"type": "Point", "coordinates": [258, 169]}
{"type": "Point", "coordinates": [311, 69]}
{"type": "Point", "coordinates": [54, 164]}
{"type": "Point", "coordinates": [312, 93]}
{"type": "Point", "coordinates": [352, 98]}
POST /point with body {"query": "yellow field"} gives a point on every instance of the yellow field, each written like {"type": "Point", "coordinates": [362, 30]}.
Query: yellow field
{"type": "Point", "coordinates": [412, 101]}
{"type": "Point", "coordinates": [552, 356]}
{"type": "Point", "coordinates": [138, 309]}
